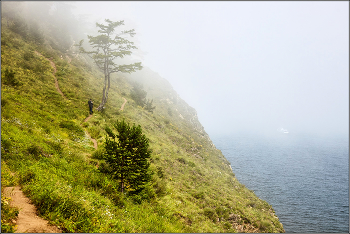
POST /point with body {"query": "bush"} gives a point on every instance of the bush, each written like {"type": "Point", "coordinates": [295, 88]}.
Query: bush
{"type": "Point", "coordinates": [8, 214]}
{"type": "Point", "coordinates": [26, 177]}
{"type": "Point", "coordinates": [56, 146]}
{"type": "Point", "coordinates": [98, 154]}
{"type": "Point", "coordinates": [227, 225]}
{"type": "Point", "coordinates": [159, 187]}
{"type": "Point", "coordinates": [19, 26]}
{"type": "Point", "coordinates": [111, 191]}
{"type": "Point", "coordinates": [146, 194]}
{"type": "Point", "coordinates": [160, 172]}
{"type": "Point", "coordinates": [34, 150]}
{"type": "Point", "coordinates": [28, 55]}
{"type": "Point", "coordinates": [4, 102]}
{"type": "Point", "coordinates": [211, 214]}
{"type": "Point", "coordinates": [222, 212]}
{"type": "Point", "coordinates": [264, 225]}
{"type": "Point", "coordinates": [5, 145]}
{"type": "Point", "coordinates": [138, 94]}
{"type": "Point", "coordinates": [182, 160]}
{"type": "Point", "coordinates": [198, 195]}
{"type": "Point", "coordinates": [10, 79]}
{"type": "Point", "coordinates": [148, 106]}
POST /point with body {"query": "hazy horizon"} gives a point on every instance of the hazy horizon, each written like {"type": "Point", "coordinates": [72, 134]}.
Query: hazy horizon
{"type": "Point", "coordinates": [245, 66]}
{"type": "Point", "coordinates": [250, 66]}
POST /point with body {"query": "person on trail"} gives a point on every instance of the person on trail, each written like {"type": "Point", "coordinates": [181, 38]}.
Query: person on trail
{"type": "Point", "coordinates": [91, 104]}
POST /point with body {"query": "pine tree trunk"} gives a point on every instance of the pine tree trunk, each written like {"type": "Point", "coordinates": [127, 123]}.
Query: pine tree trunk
{"type": "Point", "coordinates": [122, 177]}
{"type": "Point", "coordinates": [104, 92]}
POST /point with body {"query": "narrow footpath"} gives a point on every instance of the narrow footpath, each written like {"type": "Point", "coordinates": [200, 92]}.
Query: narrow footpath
{"type": "Point", "coordinates": [87, 133]}
{"type": "Point", "coordinates": [28, 220]}
{"type": "Point", "coordinates": [54, 72]}
{"type": "Point", "coordinates": [122, 108]}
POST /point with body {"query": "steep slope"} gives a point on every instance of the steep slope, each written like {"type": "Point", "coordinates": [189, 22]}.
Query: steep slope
{"type": "Point", "coordinates": [46, 143]}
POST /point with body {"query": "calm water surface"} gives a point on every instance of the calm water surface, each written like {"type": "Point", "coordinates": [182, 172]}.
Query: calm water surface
{"type": "Point", "coordinates": [305, 179]}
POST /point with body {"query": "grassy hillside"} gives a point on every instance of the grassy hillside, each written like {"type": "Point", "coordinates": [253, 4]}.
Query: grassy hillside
{"type": "Point", "coordinates": [45, 144]}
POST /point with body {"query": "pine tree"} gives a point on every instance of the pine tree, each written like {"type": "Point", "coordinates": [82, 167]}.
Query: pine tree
{"type": "Point", "coordinates": [149, 106]}
{"type": "Point", "coordinates": [127, 155]}
{"type": "Point", "coordinates": [107, 49]}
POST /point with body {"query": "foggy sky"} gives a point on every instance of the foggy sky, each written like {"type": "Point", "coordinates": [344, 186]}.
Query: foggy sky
{"type": "Point", "coordinates": [247, 66]}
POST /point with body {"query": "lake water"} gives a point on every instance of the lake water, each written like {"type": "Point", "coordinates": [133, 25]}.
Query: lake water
{"type": "Point", "coordinates": [305, 179]}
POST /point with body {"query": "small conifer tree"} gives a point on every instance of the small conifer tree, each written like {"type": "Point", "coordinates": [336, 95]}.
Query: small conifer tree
{"type": "Point", "coordinates": [149, 106]}
{"type": "Point", "coordinates": [127, 154]}
{"type": "Point", "coordinates": [138, 94]}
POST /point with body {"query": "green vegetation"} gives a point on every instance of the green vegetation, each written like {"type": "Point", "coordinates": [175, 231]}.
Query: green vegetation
{"type": "Point", "coordinates": [128, 157]}
{"type": "Point", "coordinates": [8, 213]}
{"type": "Point", "coordinates": [45, 145]}
{"type": "Point", "coordinates": [139, 96]}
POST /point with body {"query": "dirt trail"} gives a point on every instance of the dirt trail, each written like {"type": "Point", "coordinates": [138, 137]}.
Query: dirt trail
{"type": "Point", "coordinates": [92, 139]}
{"type": "Point", "coordinates": [54, 72]}
{"type": "Point", "coordinates": [27, 221]}
{"type": "Point", "coordinates": [122, 108]}
{"type": "Point", "coordinates": [90, 116]}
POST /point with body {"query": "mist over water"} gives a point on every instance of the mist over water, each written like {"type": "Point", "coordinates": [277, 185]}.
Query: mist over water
{"type": "Point", "coordinates": [304, 178]}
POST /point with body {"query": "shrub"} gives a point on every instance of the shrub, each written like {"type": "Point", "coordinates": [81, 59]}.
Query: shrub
{"type": "Point", "coordinates": [191, 164]}
{"type": "Point", "coordinates": [148, 106]}
{"type": "Point", "coordinates": [28, 55]}
{"type": "Point", "coordinates": [182, 160]}
{"type": "Point", "coordinates": [138, 94]}
{"type": "Point", "coordinates": [160, 172]}
{"type": "Point", "coordinates": [46, 129]}
{"type": "Point", "coordinates": [227, 225]}
{"type": "Point", "coordinates": [211, 214]}
{"type": "Point", "coordinates": [26, 177]}
{"type": "Point", "coordinates": [55, 146]}
{"type": "Point", "coordinates": [4, 102]}
{"type": "Point", "coordinates": [98, 154]}
{"type": "Point", "coordinates": [34, 150]}
{"type": "Point", "coordinates": [5, 145]}
{"type": "Point", "coordinates": [159, 186]}
{"type": "Point", "coordinates": [170, 112]}
{"type": "Point", "coordinates": [19, 26]}
{"type": "Point", "coordinates": [198, 195]}
{"type": "Point", "coordinates": [264, 225]}
{"type": "Point", "coordinates": [10, 78]}
{"type": "Point", "coordinates": [146, 194]}
{"type": "Point", "coordinates": [222, 212]}
{"type": "Point", "coordinates": [8, 214]}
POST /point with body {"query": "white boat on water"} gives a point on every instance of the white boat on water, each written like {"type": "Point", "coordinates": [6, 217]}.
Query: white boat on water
{"type": "Point", "coordinates": [282, 130]}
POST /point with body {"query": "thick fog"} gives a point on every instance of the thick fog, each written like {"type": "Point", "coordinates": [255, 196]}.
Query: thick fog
{"type": "Point", "coordinates": [246, 66]}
